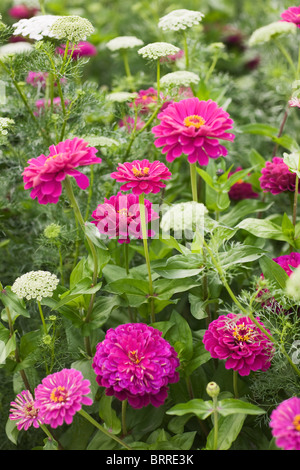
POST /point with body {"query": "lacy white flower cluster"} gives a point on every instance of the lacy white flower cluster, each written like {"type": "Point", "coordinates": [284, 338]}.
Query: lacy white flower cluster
{"type": "Point", "coordinates": [271, 31]}
{"type": "Point", "coordinates": [180, 20]}
{"type": "Point", "coordinates": [73, 28]}
{"type": "Point", "coordinates": [13, 48]}
{"type": "Point", "coordinates": [156, 50]}
{"type": "Point", "coordinates": [5, 124]}
{"type": "Point", "coordinates": [179, 78]}
{"type": "Point", "coordinates": [124, 42]}
{"type": "Point", "coordinates": [121, 96]}
{"type": "Point", "coordinates": [35, 285]}
{"type": "Point", "coordinates": [101, 141]}
{"type": "Point", "coordinates": [184, 218]}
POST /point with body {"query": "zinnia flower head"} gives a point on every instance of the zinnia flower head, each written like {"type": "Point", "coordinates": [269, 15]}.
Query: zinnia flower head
{"type": "Point", "coordinates": [130, 123]}
{"type": "Point", "coordinates": [294, 102]}
{"type": "Point", "coordinates": [288, 262]}
{"type": "Point", "coordinates": [25, 411]}
{"type": "Point", "coordinates": [45, 173]}
{"type": "Point", "coordinates": [61, 395]}
{"type": "Point", "coordinates": [134, 362]}
{"type": "Point", "coordinates": [285, 424]}
{"type": "Point", "coordinates": [142, 176]}
{"type": "Point", "coordinates": [181, 19]}
{"type": "Point", "coordinates": [241, 189]}
{"type": "Point", "coordinates": [119, 217]}
{"type": "Point", "coordinates": [22, 11]}
{"type": "Point", "coordinates": [276, 177]}
{"type": "Point", "coordinates": [239, 342]}
{"type": "Point", "coordinates": [35, 285]}
{"type": "Point", "coordinates": [82, 49]}
{"type": "Point", "coordinates": [292, 15]}
{"type": "Point", "coordinates": [146, 100]}
{"type": "Point", "coordinates": [193, 127]}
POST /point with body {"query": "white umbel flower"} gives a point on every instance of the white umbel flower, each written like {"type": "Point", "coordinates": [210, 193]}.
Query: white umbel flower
{"type": "Point", "coordinates": [121, 96]}
{"type": "Point", "coordinates": [73, 28]}
{"type": "Point", "coordinates": [13, 48]}
{"type": "Point", "coordinates": [101, 141]}
{"type": "Point", "coordinates": [184, 218]}
{"type": "Point", "coordinates": [124, 42]}
{"type": "Point", "coordinates": [179, 78]}
{"type": "Point", "coordinates": [35, 285]}
{"type": "Point", "coordinates": [271, 31]}
{"type": "Point", "coordinates": [36, 27]}
{"type": "Point", "coordinates": [156, 50]}
{"type": "Point", "coordinates": [5, 124]}
{"type": "Point", "coordinates": [180, 20]}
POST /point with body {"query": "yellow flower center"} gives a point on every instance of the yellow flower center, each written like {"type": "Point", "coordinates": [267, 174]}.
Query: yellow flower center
{"type": "Point", "coordinates": [194, 120]}
{"type": "Point", "coordinates": [140, 171]}
{"type": "Point", "coordinates": [242, 333]}
{"type": "Point", "coordinates": [51, 158]}
{"type": "Point", "coordinates": [296, 422]}
{"type": "Point", "coordinates": [133, 356]}
{"type": "Point", "coordinates": [59, 394]}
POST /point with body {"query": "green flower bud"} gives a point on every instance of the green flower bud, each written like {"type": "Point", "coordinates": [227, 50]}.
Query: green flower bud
{"type": "Point", "coordinates": [212, 389]}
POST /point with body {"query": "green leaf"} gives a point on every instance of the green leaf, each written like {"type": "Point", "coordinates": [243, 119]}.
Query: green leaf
{"type": "Point", "coordinates": [12, 301]}
{"type": "Point", "coordinates": [198, 407]}
{"type": "Point", "coordinates": [180, 336]}
{"type": "Point", "coordinates": [200, 357]}
{"type": "Point", "coordinates": [264, 229]}
{"type": "Point", "coordinates": [260, 129]}
{"type": "Point", "coordinates": [243, 209]}
{"type": "Point", "coordinates": [179, 266]}
{"type": "Point", "coordinates": [229, 428]}
{"type": "Point", "coordinates": [136, 290]}
{"type": "Point", "coordinates": [93, 234]}
{"type": "Point", "coordinates": [12, 431]}
{"type": "Point", "coordinates": [7, 348]}
{"type": "Point", "coordinates": [273, 271]}
{"type": "Point", "coordinates": [239, 255]}
{"type": "Point", "coordinates": [84, 287]}
{"type": "Point", "coordinates": [108, 414]}
{"type": "Point", "coordinates": [230, 406]}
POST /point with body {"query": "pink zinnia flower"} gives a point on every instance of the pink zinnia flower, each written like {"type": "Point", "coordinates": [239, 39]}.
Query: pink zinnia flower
{"type": "Point", "coordinates": [134, 362]}
{"type": "Point", "coordinates": [82, 49]}
{"type": "Point", "coordinates": [42, 104]}
{"type": "Point", "coordinates": [172, 57]}
{"type": "Point", "coordinates": [294, 102]}
{"type": "Point", "coordinates": [292, 15]}
{"type": "Point", "coordinates": [61, 395]}
{"type": "Point", "coordinates": [241, 190]}
{"type": "Point", "coordinates": [285, 424]}
{"type": "Point", "coordinates": [40, 79]}
{"type": "Point", "coordinates": [129, 123]}
{"type": "Point", "coordinates": [276, 177]}
{"type": "Point", "coordinates": [239, 342]}
{"type": "Point", "coordinates": [119, 217]}
{"type": "Point", "coordinates": [142, 176]}
{"type": "Point", "coordinates": [193, 127]}
{"type": "Point", "coordinates": [22, 11]}
{"type": "Point", "coordinates": [147, 100]}
{"type": "Point", "coordinates": [45, 173]}
{"type": "Point", "coordinates": [25, 411]}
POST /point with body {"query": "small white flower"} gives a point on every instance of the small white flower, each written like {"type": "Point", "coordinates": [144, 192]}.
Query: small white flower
{"type": "Point", "coordinates": [101, 141]}
{"type": "Point", "coordinates": [121, 96]}
{"type": "Point", "coordinates": [180, 20]}
{"type": "Point", "coordinates": [184, 218]}
{"type": "Point", "coordinates": [35, 285]}
{"type": "Point", "coordinates": [5, 124]}
{"type": "Point", "coordinates": [123, 42]}
{"type": "Point", "coordinates": [36, 27]}
{"type": "Point", "coordinates": [271, 31]}
{"type": "Point", "coordinates": [179, 78]}
{"type": "Point", "coordinates": [293, 284]}
{"type": "Point", "coordinates": [156, 50]}
{"type": "Point", "coordinates": [13, 48]}
{"type": "Point", "coordinates": [73, 28]}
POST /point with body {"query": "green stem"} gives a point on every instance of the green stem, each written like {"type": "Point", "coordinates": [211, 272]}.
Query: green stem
{"type": "Point", "coordinates": [212, 68]}
{"type": "Point", "coordinates": [146, 251]}
{"type": "Point", "coordinates": [193, 172]}
{"type": "Point", "coordinates": [158, 80]}
{"type": "Point", "coordinates": [216, 427]}
{"type": "Point", "coordinates": [85, 415]}
{"type": "Point", "coordinates": [286, 55]}
{"type": "Point", "coordinates": [126, 64]}
{"type": "Point", "coordinates": [186, 51]}
{"type": "Point", "coordinates": [90, 193]}
{"type": "Point", "coordinates": [42, 6]}
{"type": "Point", "coordinates": [126, 258]}
{"type": "Point", "coordinates": [235, 385]}
{"type": "Point", "coordinates": [296, 194]}
{"type": "Point", "coordinates": [42, 317]}
{"type": "Point", "coordinates": [124, 428]}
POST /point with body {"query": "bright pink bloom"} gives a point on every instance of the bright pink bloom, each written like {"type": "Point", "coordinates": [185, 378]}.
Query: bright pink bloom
{"type": "Point", "coordinates": [172, 57]}
{"type": "Point", "coordinates": [134, 362]}
{"type": "Point", "coordinates": [241, 189]}
{"type": "Point", "coordinates": [285, 424]}
{"type": "Point", "coordinates": [42, 104]}
{"type": "Point", "coordinates": [294, 102]}
{"type": "Point", "coordinates": [129, 123]}
{"type": "Point", "coordinates": [276, 177]}
{"type": "Point", "coordinates": [19, 12]}
{"type": "Point", "coordinates": [147, 100]}
{"type": "Point", "coordinates": [25, 411]}
{"type": "Point", "coordinates": [142, 176]}
{"type": "Point", "coordinates": [193, 127]}
{"type": "Point", "coordinates": [288, 261]}
{"type": "Point", "coordinates": [239, 342]}
{"type": "Point", "coordinates": [61, 395]}
{"type": "Point", "coordinates": [45, 173]}
{"type": "Point", "coordinates": [119, 217]}
{"type": "Point", "coordinates": [40, 79]}
{"type": "Point", "coordinates": [82, 49]}
{"type": "Point", "coordinates": [292, 15]}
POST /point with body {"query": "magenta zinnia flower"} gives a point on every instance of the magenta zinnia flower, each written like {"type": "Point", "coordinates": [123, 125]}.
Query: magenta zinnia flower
{"type": "Point", "coordinates": [146, 101]}
{"type": "Point", "coordinates": [134, 362]}
{"type": "Point", "coordinates": [19, 12]}
{"type": "Point", "coordinates": [289, 261]}
{"type": "Point", "coordinates": [61, 395]}
{"type": "Point", "coordinates": [239, 342]}
{"type": "Point", "coordinates": [119, 217]}
{"type": "Point", "coordinates": [142, 176]}
{"type": "Point", "coordinates": [129, 123]}
{"type": "Point", "coordinates": [82, 49]}
{"type": "Point", "coordinates": [193, 127]}
{"type": "Point", "coordinates": [285, 424]}
{"type": "Point", "coordinates": [276, 177]}
{"type": "Point", "coordinates": [45, 173]}
{"type": "Point", "coordinates": [241, 189]}
{"type": "Point", "coordinates": [292, 15]}
{"type": "Point", "coordinates": [25, 411]}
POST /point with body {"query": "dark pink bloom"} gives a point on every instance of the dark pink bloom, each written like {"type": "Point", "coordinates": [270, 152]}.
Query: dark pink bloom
{"type": "Point", "coordinates": [45, 173]}
{"type": "Point", "coordinates": [40, 79]}
{"type": "Point", "coordinates": [61, 395]}
{"type": "Point", "coordinates": [288, 262]}
{"type": "Point", "coordinates": [292, 15]}
{"type": "Point", "coordinates": [241, 189]}
{"type": "Point", "coordinates": [172, 57]}
{"type": "Point", "coordinates": [129, 123]}
{"type": "Point", "coordinates": [119, 217]}
{"type": "Point", "coordinates": [25, 411]}
{"type": "Point", "coordinates": [193, 127]}
{"type": "Point", "coordinates": [239, 342]}
{"type": "Point", "coordinates": [285, 424]}
{"type": "Point", "coordinates": [276, 177]}
{"type": "Point", "coordinates": [82, 49]}
{"type": "Point", "coordinates": [19, 12]}
{"type": "Point", "coordinates": [42, 104]}
{"type": "Point", "coordinates": [146, 100]}
{"type": "Point", "coordinates": [134, 362]}
{"type": "Point", "coordinates": [142, 176]}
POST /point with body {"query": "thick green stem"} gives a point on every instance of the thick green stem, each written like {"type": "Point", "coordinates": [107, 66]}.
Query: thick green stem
{"type": "Point", "coordinates": [158, 80]}
{"type": "Point", "coordinates": [235, 385]}
{"type": "Point", "coordinates": [193, 172]}
{"type": "Point", "coordinates": [186, 51]}
{"type": "Point", "coordinates": [124, 428]}
{"type": "Point", "coordinates": [216, 427]}
{"type": "Point", "coordinates": [42, 317]}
